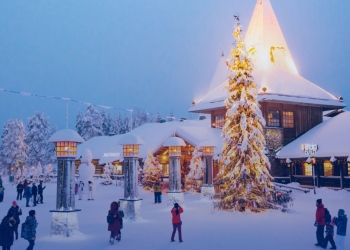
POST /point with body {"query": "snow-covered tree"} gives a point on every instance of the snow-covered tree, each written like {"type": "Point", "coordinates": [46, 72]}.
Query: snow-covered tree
{"type": "Point", "coordinates": [158, 117]}
{"type": "Point", "coordinates": [107, 172]}
{"type": "Point", "coordinates": [171, 116]}
{"type": "Point", "coordinates": [38, 133]}
{"type": "Point", "coordinates": [194, 178]}
{"type": "Point", "coordinates": [152, 171]}
{"type": "Point", "coordinates": [106, 123]}
{"type": "Point", "coordinates": [126, 124]}
{"type": "Point", "coordinates": [39, 171]}
{"type": "Point", "coordinates": [13, 149]}
{"type": "Point", "coordinates": [244, 167]}
{"type": "Point", "coordinates": [117, 124]}
{"type": "Point", "coordinates": [25, 175]}
{"type": "Point", "coordinates": [79, 123]}
{"type": "Point", "coordinates": [92, 123]}
{"type": "Point", "coordinates": [33, 175]}
{"type": "Point", "coordinates": [48, 170]}
{"type": "Point", "coordinates": [18, 176]}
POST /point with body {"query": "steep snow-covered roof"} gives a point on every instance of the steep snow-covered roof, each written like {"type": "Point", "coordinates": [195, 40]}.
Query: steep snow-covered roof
{"type": "Point", "coordinates": [107, 148]}
{"type": "Point", "coordinates": [274, 68]}
{"type": "Point", "coordinates": [332, 137]}
{"type": "Point", "coordinates": [174, 141]}
{"type": "Point", "coordinates": [66, 135]}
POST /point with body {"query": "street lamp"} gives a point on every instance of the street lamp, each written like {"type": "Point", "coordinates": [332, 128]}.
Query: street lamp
{"type": "Point", "coordinates": [131, 203]}
{"type": "Point", "coordinates": [175, 193]}
{"type": "Point", "coordinates": [312, 161]}
{"type": "Point", "coordinates": [65, 217]}
{"type": "Point", "coordinates": [207, 190]}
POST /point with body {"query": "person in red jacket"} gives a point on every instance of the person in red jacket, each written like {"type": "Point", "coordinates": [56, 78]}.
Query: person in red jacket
{"type": "Point", "coordinates": [320, 222]}
{"type": "Point", "coordinates": [176, 220]}
{"type": "Point", "coordinates": [115, 226]}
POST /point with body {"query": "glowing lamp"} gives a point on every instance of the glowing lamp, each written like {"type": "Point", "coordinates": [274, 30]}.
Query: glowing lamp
{"type": "Point", "coordinates": [174, 144]}
{"type": "Point", "coordinates": [208, 150]}
{"type": "Point", "coordinates": [175, 151]}
{"type": "Point", "coordinates": [264, 89]}
{"type": "Point", "coordinates": [66, 142]}
{"type": "Point", "coordinates": [130, 144]}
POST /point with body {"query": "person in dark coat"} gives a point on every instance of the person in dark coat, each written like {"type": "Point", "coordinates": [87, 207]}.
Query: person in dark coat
{"type": "Point", "coordinates": [32, 224]}
{"type": "Point", "coordinates": [2, 192]}
{"type": "Point", "coordinates": [320, 222]}
{"type": "Point", "coordinates": [34, 193]}
{"type": "Point", "coordinates": [115, 226]}
{"type": "Point", "coordinates": [16, 211]}
{"type": "Point", "coordinates": [27, 194]}
{"type": "Point", "coordinates": [341, 222]}
{"type": "Point", "coordinates": [329, 230]}
{"type": "Point", "coordinates": [19, 191]}
{"type": "Point", "coordinates": [41, 191]}
{"type": "Point", "coordinates": [176, 220]}
{"type": "Point", "coordinates": [6, 231]}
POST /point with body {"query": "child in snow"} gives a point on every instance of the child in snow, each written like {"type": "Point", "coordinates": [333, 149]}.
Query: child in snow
{"type": "Point", "coordinates": [113, 220]}
{"type": "Point", "coordinates": [176, 220]}
{"type": "Point", "coordinates": [329, 230]}
{"type": "Point", "coordinates": [90, 197]}
{"type": "Point", "coordinates": [341, 223]}
{"type": "Point", "coordinates": [80, 189]}
{"type": "Point", "coordinates": [121, 212]}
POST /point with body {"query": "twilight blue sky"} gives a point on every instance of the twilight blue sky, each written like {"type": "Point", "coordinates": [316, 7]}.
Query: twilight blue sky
{"type": "Point", "coordinates": [154, 54]}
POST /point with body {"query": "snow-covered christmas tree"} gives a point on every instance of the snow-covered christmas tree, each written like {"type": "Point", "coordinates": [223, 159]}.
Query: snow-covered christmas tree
{"type": "Point", "coordinates": [194, 178]}
{"type": "Point", "coordinates": [25, 175]}
{"type": "Point", "coordinates": [13, 147]}
{"type": "Point", "coordinates": [244, 167]}
{"type": "Point", "coordinates": [18, 177]}
{"type": "Point", "coordinates": [107, 172]}
{"type": "Point", "coordinates": [39, 171]}
{"type": "Point", "coordinates": [38, 133]}
{"type": "Point", "coordinates": [79, 123]}
{"type": "Point", "coordinates": [152, 171]}
{"type": "Point", "coordinates": [33, 175]}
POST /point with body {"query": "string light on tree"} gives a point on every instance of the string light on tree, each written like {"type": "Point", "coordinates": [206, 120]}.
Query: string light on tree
{"type": "Point", "coordinates": [152, 171]}
{"type": "Point", "coordinates": [244, 167]}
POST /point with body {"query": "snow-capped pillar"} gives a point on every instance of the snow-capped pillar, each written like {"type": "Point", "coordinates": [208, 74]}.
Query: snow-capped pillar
{"type": "Point", "coordinates": [175, 195]}
{"type": "Point", "coordinates": [131, 204]}
{"type": "Point", "coordinates": [207, 190]}
{"type": "Point", "coordinates": [65, 218]}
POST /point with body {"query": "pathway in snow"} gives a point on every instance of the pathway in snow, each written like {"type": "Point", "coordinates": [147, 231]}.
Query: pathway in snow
{"type": "Point", "coordinates": [202, 227]}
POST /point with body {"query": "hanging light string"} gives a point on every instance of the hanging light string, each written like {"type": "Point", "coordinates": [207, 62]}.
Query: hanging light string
{"type": "Point", "coordinates": [62, 99]}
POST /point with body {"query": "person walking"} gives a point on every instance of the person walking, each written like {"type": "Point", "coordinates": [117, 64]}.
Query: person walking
{"type": "Point", "coordinates": [6, 231]}
{"type": "Point", "coordinates": [113, 219]}
{"type": "Point", "coordinates": [29, 229]}
{"type": "Point", "coordinates": [90, 186]}
{"type": "Point", "coordinates": [34, 193]}
{"type": "Point", "coordinates": [27, 194]}
{"type": "Point", "coordinates": [157, 192]}
{"type": "Point", "coordinates": [121, 212]}
{"type": "Point", "coordinates": [17, 212]}
{"type": "Point", "coordinates": [41, 192]}
{"type": "Point", "coordinates": [341, 222]}
{"type": "Point", "coordinates": [19, 191]}
{"type": "Point", "coordinates": [176, 220]}
{"type": "Point", "coordinates": [320, 222]}
{"type": "Point", "coordinates": [329, 230]}
{"type": "Point", "coordinates": [2, 192]}
{"type": "Point", "coordinates": [80, 190]}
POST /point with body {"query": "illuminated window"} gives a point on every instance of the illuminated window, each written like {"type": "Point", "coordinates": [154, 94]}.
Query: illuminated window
{"type": "Point", "coordinates": [131, 150]}
{"type": "Point", "coordinates": [288, 119]}
{"type": "Point", "coordinates": [307, 169]}
{"type": "Point", "coordinates": [66, 148]}
{"type": "Point", "coordinates": [328, 168]}
{"type": "Point", "coordinates": [348, 169]}
{"type": "Point", "coordinates": [273, 118]}
{"type": "Point", "coordinates": [219, 121]}
{"type": "Point", "coordinates": [175, 151]}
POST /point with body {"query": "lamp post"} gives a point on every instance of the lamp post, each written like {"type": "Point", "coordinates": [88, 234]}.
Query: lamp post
{"type": "Point", "coordinates": [313, 161]}
{"type": "Point", "coordinates": [64, 217]}
{"type": "Point", "coordinates": [207, 190]}
{"type": "Point", "coordinates": [175, 194]}
{"type": "Point", "coordinates": [131, 203]}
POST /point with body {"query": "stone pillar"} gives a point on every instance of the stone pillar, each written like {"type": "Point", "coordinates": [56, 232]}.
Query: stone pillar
{"type": "Point", "coordinates": [131, 204]}
{"type": "Point", "coordinates": [341, 168]}
{"type": "Point", "coordinates": [175, 193]}
{"type": "Point", "coordinates": [318, 170]}
{"type": "Point", "coordinates": [65, 218]}
{"type": "Point", "coordinates": [207, 190]}
{"type": "Point", "coordinates": [291, 166]}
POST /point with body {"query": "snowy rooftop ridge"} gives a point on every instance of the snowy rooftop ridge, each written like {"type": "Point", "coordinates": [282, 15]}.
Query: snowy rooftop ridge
{"type": "Point", "coordinates": [274, 68]}
{"type": "Point", "coordinates": [332, 137]}
{"type": "Point", "coordinates": [68, 135]}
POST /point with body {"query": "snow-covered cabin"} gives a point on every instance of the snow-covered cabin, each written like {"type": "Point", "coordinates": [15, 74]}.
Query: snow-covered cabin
{"type": "Point", "coordinates": [106, 149]}
{"type": "Point", "coordinates": [290, 104]}
{"type": "Point", "coordinates": [322, 153]}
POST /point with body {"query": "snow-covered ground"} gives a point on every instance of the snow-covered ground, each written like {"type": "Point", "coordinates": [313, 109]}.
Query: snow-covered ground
{"type": "Point", "coordinates": [202, 228]}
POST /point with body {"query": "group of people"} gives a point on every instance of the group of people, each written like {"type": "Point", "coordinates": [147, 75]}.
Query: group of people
{"type": "Point", "coordinates": [79, 189]}
{"type": "Point", "coordinates": [31, 191]}
{"type": "Point", "coordinates": [9, 227]}
{"type": "Point", "coordinates": [325, 220]}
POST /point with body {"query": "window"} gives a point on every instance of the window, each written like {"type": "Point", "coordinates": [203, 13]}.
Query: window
{"type": "Point", "coordinates": [307, 169]}
{"type": "Point", "coordinates": [288, 119]}
{"type": "Point", "coordinates": [328, 168]}
{"type": "Point", "coordinates": [219, 121]}
{"type": "Point", "coordinates": [273, 118]}
{"type": "Point", "coordinates": [348, 169]}
{"type": "Point", "coordinates": [130, 150]}
{"type": "Point", "coordinates": [66, 148]}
